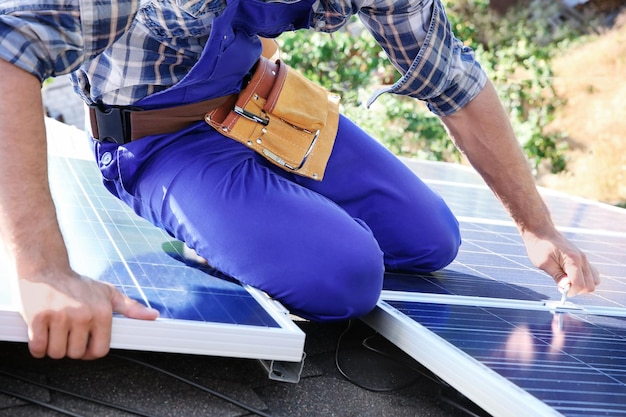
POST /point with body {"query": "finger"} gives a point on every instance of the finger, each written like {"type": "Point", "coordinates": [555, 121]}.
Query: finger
{"type": "Point", "coordinates": [38, 338]}
{"type": "Point", "coordinates": [582, 275]}
{"type": "Point", "coordinates": [564, 284]}
{"type": "Point", "coordinates": [576, 277]}
{"type": "Point", "coordinates": [589, 279]}
{"type": "Point", "coordinates": [131, 308]}
{"type": "Point", "coordinates": [100, 338]}
{"type": "Point", "coordinates": [77, 342]}
{"type": "Point", "coordinates": [57, 339]}
{"type": "Point", "coordinates": [596, 275]}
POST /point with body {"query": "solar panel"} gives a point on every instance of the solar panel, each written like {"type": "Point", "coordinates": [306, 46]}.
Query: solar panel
{"type": "Point", "coordinates": [492, 325]}
{"type": "Point", "coordinates": [200, 312]}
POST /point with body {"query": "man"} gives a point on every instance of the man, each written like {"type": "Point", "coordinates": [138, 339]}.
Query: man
{"type": "Point", "coordinates": [316, 238]}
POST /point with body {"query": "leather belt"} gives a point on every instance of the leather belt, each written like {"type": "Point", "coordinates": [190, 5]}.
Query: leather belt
{"type": "Point", "coordinates": [125, 124]}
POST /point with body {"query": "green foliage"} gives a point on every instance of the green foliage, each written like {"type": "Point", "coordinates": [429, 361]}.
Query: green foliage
{"type": "Point", "coordinates": [351, 63]}
{"type": "Point", "coordinates": [417, 132]}
{"type": "Point", "coordinates": [339, 62]}
{"type": "Point", "coordinates": [515, 51]}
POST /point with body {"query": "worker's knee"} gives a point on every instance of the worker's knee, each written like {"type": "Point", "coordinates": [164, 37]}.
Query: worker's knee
{"type": "Point", "coordinates": [343, 284]}
{"type": "Point", "coordinates": [429, 252]}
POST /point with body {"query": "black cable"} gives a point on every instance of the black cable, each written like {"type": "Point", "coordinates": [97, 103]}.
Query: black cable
{"type": "Point", "coordinates": [75, 395]}
{"type": "Point", "coordinates": [458, 406]}
{"type": "Point", "coordinates": [370, 388]}
{"type": "Point", "coordinates": [455, 403]}
{"type": "Point", "coordinates": [345, 374]}
{"type": "Point", "coordinates": [194, 384]}
{"type": "Point", "coordinates": [39, 403]}
{"type": "Point", "coordinates": [423, 372]}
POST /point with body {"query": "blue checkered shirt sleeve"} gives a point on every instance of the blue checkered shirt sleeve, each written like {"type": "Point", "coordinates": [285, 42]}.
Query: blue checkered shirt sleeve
{"type": "Point", "coordinates": [436, 67]}
{"type": "Point", "coordinates": [53, 37]}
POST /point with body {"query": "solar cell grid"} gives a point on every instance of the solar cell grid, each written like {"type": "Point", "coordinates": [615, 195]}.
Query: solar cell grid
{"type": "Point", "coordinates": [468, 196]}
{"type": "Point", "coordinates": [483, 323]}
{"type": "Point", "coordinates": [199, 312]}
{"type": "Point", "coordinates": [496, 253]}
{"type": "Point", "coordinates": [571, 363]}
{"type": "Point", "coordinates": [134, 255]}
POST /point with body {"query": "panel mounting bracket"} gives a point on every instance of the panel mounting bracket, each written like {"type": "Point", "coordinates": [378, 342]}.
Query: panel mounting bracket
{"type": "Point", "coordinates": [283, 371]}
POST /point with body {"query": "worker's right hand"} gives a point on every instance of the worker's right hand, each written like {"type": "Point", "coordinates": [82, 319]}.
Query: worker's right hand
{"type": "Point", "coordinates": [69, 315]}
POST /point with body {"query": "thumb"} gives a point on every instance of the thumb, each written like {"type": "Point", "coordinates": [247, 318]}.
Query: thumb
{"type": "Point", "coordinates": [564, 284]}
{"type": "Point", "coordinates": [131, 308]}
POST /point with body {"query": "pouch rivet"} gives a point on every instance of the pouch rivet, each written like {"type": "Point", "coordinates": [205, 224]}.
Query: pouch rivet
{"type": "Point", "coordinates": [225, 129]}
{"type": "Point", "coordinates": [264, 131]}
{"type": "Point", "coordinates": [273, 72]}
{"type": "Point", "coordinates": [315, 175]}
{"type": "Point", "coordinates": [256, 96]}
{"type": "Point", "coordinates": [249, 143]}
{"type": "Point", "coordinates": [259, 141]}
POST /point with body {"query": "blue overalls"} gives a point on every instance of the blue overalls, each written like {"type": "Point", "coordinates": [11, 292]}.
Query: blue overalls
{"type": "Point", "coordinates": [318, 247]}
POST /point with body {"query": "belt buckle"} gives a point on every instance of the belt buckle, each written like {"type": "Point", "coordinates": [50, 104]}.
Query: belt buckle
{"type": "Point", "coordinates": [113, 124]}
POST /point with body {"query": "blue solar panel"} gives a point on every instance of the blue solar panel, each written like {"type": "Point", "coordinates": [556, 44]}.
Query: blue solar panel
{"type": "Point", "coordinates": [109, 243]}
{"type": "Point", "coordinates": [201, 311]}
{"type": "Point", "coordinates": [574, 364]}
{"type": "Point", "coordinates": [491, 324]}
{"type": "Point", "coordinates": [492, 262]}
{"type": "Point", "coordinates": [468, 197]}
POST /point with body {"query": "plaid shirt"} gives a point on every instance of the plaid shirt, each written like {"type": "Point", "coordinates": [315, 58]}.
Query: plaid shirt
{"type": "Point", "coordinates": [120, 51]}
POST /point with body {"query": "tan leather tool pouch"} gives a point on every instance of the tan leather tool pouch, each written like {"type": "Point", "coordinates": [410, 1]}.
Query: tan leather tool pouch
{"type": "Point", "coordinates": [283, 116]}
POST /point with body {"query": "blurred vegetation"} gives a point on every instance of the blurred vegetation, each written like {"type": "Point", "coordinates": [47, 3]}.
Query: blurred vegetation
{"type": "Point", "coordinates": [515, 50]}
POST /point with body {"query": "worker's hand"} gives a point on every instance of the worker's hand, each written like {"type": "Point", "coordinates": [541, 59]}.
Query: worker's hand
{"type": "Point", "coordinates": [70, 315]}
{"type": "Point", "coordinates": [66, 314]}
{"type": "Point", "coordinates": [563, 261]}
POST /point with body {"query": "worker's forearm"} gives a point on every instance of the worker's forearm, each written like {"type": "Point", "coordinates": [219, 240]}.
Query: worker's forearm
{"type": "Point", "coordinates": [28, 223]}
{"type": "Point", "coordinates": [482, 131]}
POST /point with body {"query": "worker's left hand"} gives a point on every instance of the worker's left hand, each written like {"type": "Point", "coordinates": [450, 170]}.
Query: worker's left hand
{"type": "Point", "coordinates": [563, 261]}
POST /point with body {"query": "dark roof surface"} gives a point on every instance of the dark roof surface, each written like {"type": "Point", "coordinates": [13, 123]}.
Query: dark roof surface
{"type": "Point", "coordinates": [322, 390]}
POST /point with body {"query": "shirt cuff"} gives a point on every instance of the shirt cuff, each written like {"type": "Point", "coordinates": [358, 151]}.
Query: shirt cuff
{"type": "Point", "coordinates": [444, 73]}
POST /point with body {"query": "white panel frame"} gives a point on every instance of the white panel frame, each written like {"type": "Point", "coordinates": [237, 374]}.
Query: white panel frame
{"type": "Point", "coordinates": [472, 301]}
{"type": "Point", "coordinates": [493, 393]}
{"type": "Point", "coordinates": [284, 343]}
